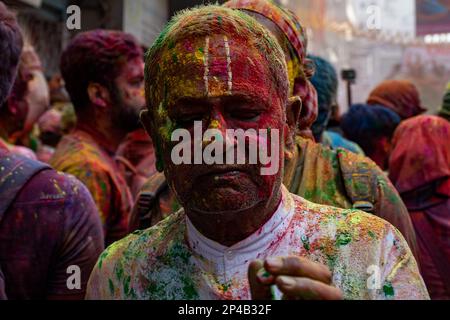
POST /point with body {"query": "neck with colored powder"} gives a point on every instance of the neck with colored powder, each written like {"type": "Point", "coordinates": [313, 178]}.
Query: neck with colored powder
{"type": "Point", "coordinates": [229, 228]}
{"type": "Point", "coordinates": [107, 136]}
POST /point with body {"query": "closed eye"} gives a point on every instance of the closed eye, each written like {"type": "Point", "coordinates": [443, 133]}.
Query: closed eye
{"type": "Point", "coordinates": [243, 115]}
{"type": "Point", "coordinates": [188, 120]}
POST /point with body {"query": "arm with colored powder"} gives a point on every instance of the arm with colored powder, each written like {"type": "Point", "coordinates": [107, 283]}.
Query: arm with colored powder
{"type": "Point", "coordinates": [400, 276]}
{"type": "Point", "coordinates": [104, 282]}
{"type": "Point", "coordinates": [390, 207]}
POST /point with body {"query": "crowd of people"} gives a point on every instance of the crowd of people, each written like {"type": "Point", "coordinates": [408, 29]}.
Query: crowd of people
{"type": "Point", "coordinates": [359, 209]}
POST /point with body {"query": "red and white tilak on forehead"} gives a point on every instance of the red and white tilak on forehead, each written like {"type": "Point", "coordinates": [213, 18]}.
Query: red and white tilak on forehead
{"type": "Point", "coordinates": [218, 74]}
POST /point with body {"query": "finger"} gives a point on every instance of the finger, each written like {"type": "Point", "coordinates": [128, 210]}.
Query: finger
{"type": "Point", "coordinates": [307, 289]}
{"type": "Point", "coordinates": [265, 277]}
{"type": "Point", "coordinates": [298, 267]}
{"type": "Point", "coordinates": [258, 290]}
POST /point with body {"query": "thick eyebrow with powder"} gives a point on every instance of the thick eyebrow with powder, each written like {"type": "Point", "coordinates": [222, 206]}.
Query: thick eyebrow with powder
{"type": "Point", "coordinates": [187, 105]}
{"type": "Point", "coordinates": [250, 99]}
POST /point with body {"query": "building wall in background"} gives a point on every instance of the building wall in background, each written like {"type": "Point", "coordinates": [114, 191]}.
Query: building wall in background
{"type": "Point", "coordinates": [392, 56]}
{"type": "Point", "coordinates": [145, 19]}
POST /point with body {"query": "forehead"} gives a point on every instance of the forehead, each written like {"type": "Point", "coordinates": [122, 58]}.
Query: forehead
{"type": "Point", "coordinates": [209, 67]}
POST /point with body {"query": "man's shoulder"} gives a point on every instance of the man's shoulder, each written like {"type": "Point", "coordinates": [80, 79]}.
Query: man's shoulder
{"type": "Point", "coordinates": [75, 149]}
{"type": "Point", "coordinates": [358, 247]}
{"type": "Point", "coordinates": [73, 153]}
{"type": "Point", "coordinates": [343, 155]}
{"type": "Point", "coordinates": [127, 258]}
{"type": "Point", "coordinates": [342, 226]}
{"type": "Point", "coordinates": [50, 186]}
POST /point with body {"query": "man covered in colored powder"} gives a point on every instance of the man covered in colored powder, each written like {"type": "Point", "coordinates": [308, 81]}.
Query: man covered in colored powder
{"type": "Point", "coordinates": [331, 177]}
{"type": "Point", "coordinates": [49, 225]}
{"type": "Point", "coordinates": [241, 233]}
{"type": "Point", "coordinates": [104, 76]}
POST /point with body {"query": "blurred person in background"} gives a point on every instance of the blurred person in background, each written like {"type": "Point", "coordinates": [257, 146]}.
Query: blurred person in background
{"type": "Point", "coordinates": [444, 111]}
{"type": "Point", "coordinates": [103, 73]}
{"type": "Point", "coordinates": [59, 120]}
{"type": "Point", "coordinates": [136, 154]}
{"type": "Point", "coordinates": [372, 128]}
{"type": "Point", "coordinates": [326, 83]}
{"type": "Point", "coordinates": [28, 100]}
{"type": "Point", "coordinates": [50, 133]}
{"type": "Point", "coordinates": [400, 96]}
{"type": "Point", "coordinates": [419, 167]}
{"type": "Point", "coordinates": [48, 220]}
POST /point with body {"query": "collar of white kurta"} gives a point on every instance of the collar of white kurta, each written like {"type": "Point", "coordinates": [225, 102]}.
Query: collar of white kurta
{"type": "Point", "coordinates": [223, 261]}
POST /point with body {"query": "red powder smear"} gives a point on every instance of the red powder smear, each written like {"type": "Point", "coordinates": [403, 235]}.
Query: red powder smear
{"type": "Point", "coordinates": [187, 45]}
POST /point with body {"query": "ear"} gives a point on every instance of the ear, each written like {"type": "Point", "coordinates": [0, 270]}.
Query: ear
{"type": "Point", "coordinates": [293, 110]}
{"type": "Point", "coordinates": [147, 123]}
{"type": "Point", "coordinates": [12, 107]}
{"type": "Point", "coordinates": [98, 95]}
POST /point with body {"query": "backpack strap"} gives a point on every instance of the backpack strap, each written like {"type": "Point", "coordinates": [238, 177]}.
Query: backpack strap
{"type": "Point", "coordinates": [147, 199]}
{"type": "Point", "coordinates": [15, 172]}
{"type": "Point", "coordinates": [360, 181]}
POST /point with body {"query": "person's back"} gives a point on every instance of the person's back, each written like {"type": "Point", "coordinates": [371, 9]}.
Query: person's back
{"type": "Point", "coordinates": [420, 170]}
{"type": "Point", "coordinates": [346, 180]}
{"type": "Point", "coordinates": [50, 231]}
{"type": "Point", "coordinates": [80, 155]}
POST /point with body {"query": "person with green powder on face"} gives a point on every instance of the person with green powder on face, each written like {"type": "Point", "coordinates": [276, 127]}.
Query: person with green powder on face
{"type": "Point", "coordinates": [331, 177]}
{"type": "Point", "coordinates": [240, 233]}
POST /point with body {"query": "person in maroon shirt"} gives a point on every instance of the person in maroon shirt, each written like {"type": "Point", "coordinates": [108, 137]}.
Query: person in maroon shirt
{"type": "Point", "coordinates": [50, 232]}
{"type": "Point", "coordinates": [419, 167]}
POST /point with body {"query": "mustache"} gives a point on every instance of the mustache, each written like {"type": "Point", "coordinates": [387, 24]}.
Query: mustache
{"type": "Point", "coordinates": [252, 170]}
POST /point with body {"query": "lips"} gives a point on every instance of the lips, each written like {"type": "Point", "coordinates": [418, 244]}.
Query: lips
{"type": "Point", "coordinates": [223, 177]}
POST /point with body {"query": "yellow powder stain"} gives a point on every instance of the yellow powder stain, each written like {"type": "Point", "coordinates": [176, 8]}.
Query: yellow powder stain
{"type": "Point", "coordinates": [199, 55]}
{"type": "Point", "coordinates": [355, 219]}
{"type": "Point", "coordinates": [162, 113]}
{"type": "Point", "coordinates": [215, 124]}
{"type": "Point", "coordinates": [58, 188]}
